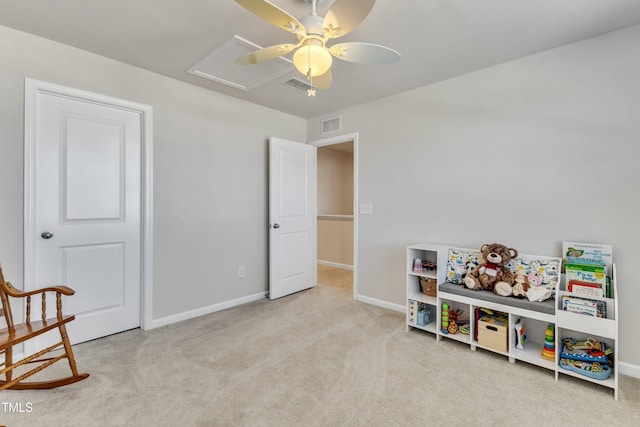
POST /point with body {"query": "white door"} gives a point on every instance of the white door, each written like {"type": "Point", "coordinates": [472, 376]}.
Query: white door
{"type": "Point", "coordinates": [85, 228]}
{"type": "Point", "coordinates": [292, 217]}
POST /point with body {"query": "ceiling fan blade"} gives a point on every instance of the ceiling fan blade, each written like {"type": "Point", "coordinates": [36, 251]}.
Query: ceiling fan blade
{"type": "Point", "coordinates": [323, 81]}
{"type": "Point", "coordinates": [345, 15]}
{"type": "Point", "coordinates": [364, 53]}
{"type": "Point", "coordinates": [265, 54]}
{"type": "Point", "coordinates": [273, 14]}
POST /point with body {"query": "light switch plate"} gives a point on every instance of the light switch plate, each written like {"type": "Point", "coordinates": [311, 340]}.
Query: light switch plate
{"type": "Point", "coordinates": [366, 209]}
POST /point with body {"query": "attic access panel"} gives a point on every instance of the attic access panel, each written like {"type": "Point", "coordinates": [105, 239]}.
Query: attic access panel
{"type": "Point", "coordinates": [220, 66]}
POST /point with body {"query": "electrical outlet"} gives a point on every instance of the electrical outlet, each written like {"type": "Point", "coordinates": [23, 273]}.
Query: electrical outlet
{"type": "Point", "coordinates": [241, 271]}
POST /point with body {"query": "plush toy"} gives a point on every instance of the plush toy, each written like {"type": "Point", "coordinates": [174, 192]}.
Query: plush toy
{"type": "Point", "coordinates": [493, 268]}
{"type": "Point", "coordinates": [458, 273]}
{"type": "Point", "coordinates": [518, 289]}
{"type": "Point", "coordinates": [534, 279]}
{"type": "Point", "coordinates": [536, 292]}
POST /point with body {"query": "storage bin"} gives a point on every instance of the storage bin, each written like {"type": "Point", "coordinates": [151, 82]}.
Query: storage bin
{"type": "Point", "coordinates": [429, 286]}
{"type": "Point", "coordinates": [492, 332]}
{"type": "Point", "coordinates": [424, 317]}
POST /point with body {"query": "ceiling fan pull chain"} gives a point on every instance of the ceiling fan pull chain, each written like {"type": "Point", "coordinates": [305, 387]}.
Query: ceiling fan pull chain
{"type": "Point", "coordinates": [311, 91]}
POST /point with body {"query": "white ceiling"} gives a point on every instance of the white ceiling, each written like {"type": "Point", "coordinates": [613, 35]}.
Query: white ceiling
{"type": "Point", "coordinates": [438, 39]}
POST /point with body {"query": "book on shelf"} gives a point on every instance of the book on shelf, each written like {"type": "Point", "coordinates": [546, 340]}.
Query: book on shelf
{"type": "Point", "coordinates": [588, 263]}
{"type": "Point", "coordinates": [585, 289]}
{"type": "Point", "coordinates": [588, 254]}
{"type": "Point", "coordinates": [582, 305]}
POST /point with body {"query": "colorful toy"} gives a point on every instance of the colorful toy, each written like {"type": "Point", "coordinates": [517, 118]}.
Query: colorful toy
{"type": "Point", "coordinates": [593, 370]}
{"type": "Point", "coordinates": [444, 324]}
{"type": "Point", "coordinates": [428, 265]}
{"type": "Point", "coordinates": [453, 322]}
{"type": "Point", "coordinates": [417, 265]}
{"type": "Point", "coordinates": [521, 338]}
{"type": "Point", "coordinates": [588, 357]}
{"type": "Point", "coordinates": [549, 349]}
{"type": "Point", "coordinates": [492, 271]}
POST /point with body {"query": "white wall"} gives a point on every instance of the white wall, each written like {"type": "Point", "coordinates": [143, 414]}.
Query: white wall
{"type": "Point", "coordinates": [210, 171]}
{"type": "Point", "coordinates": [528, 153]}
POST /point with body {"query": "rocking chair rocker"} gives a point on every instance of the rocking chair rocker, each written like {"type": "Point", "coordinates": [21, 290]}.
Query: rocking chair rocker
{"type": "Point", "coordinates": [14, 334]}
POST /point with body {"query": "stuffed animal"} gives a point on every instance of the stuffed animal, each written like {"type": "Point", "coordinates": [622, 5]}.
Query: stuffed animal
{"type": "Point", "coordinates": [536, 292]}
{"type": "Point", "coordinates": [458, 273]}
{"type": "Point", "coordinates": [493, 268]}
{"type": "Point", "coordinates": [518, 289]}
{"type": "Point", "coordinates": [534, 279]}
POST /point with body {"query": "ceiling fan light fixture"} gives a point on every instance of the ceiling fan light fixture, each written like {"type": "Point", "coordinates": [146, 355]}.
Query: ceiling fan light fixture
{"type": "Point", "coordinates": [312, 60]}
{"type": "Point", "coordinates": [311, 57]}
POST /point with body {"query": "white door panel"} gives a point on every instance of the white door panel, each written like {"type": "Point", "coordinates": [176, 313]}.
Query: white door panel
{"type": "Point", "coordinates": [292, 217]}
{"type": "Point", "coordinates": [96, 271]}
{"type": "Point", "coordinates": [87, 185]}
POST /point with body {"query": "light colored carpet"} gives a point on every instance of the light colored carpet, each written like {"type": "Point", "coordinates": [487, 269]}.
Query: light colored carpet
{"type": "Point", "coordinates": [316, 358]}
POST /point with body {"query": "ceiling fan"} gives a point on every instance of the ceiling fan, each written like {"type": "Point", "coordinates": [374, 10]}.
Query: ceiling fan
{"type": "Point", "coordinates": [312, 56]}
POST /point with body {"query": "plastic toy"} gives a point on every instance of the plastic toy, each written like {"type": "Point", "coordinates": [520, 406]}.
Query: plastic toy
{"type": "Point", "coordinates": [453, 322]}
{"type": "Point", "coordinates": [588, 357]}
{"type": "Point", "coordinates": [549, 349]}
{"type": "Point", "coordinates": [593, 370]}
{"type": "Point", "coordinates": [521, 338]}
{"type": "Point", "coordinates": [445, 318]}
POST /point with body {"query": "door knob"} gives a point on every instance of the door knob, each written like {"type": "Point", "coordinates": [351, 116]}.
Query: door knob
{"type": "Point", "coordinates": [276, 225]}
{"type": "Point", "coordinates": [46, 235]}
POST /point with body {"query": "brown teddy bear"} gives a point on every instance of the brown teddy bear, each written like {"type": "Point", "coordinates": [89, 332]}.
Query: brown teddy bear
{"type": "Point", "coordinates": [492, 270]}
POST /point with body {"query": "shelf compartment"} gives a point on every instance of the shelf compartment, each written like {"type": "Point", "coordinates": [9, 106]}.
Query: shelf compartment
{"type": "Point", "coordinates": [586, 324]}
{"type": "Point", "coordinates": [476, 344]}
{"type": "Point", "coordinates": [464, 338]}
{"type": "Point", "coordinates": [532, 354]}
{"type": "Point", "coordinates": [465, 315]}
{"type": "Point", "coordinates": [414, 291]}
{"type": "Point", "coordinates": [430, 327]}
{"type": "Point", "coordinates": [609, 382]}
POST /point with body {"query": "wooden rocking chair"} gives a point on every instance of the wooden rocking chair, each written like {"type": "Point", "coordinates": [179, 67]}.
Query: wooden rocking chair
{"type": "Point", "coordinates": [14, 334]}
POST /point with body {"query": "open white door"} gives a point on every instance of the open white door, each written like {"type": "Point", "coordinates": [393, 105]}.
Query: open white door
{"type": "Point", "coordinates": [292, 217]}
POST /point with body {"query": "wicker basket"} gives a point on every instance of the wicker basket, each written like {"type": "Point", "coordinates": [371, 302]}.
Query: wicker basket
{"type": "Point", "coordinates": [429, 286]}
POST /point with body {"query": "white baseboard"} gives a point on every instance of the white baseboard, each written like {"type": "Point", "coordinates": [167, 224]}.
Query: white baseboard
{"type": "Point", "coordinates": [156, 323]}
{"type": "Point", "coordinates": [381, 303]}
{"type": "Point", "coordinates": [335, 264]}
{"type": "Point", "coordinates": [629, 369]}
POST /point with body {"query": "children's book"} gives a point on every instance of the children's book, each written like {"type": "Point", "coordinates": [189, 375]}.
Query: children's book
{"type": "Point", "coordinates": [585, 289]}
{"type": "Point", "coordinates": [580, 305]}
{"type": "Point", "coordinates": [588, 263]}
{"type": "Point", "coordinates": [588, 254]}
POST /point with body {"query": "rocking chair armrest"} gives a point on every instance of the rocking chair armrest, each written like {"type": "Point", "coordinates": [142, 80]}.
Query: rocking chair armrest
{"type": "Point", "coordinates": [15, 293]}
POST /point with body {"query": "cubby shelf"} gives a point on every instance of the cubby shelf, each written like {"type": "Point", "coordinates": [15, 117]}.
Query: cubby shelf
{"type": "Point", "coordinates": [565, 324]}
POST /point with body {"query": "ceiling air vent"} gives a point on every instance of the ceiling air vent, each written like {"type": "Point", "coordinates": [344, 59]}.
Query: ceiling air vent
{"type": "Point", "coordinates": [332, 125]}
{"type": "Point", "coordinates": [298, 84]}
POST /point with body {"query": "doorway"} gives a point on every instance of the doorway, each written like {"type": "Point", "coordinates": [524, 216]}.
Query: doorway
{"type": "Point", "coordinates": [337, 202]}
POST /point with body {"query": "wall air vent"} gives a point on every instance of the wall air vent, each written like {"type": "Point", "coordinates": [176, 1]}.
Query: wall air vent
{"type": "Point", "coordinates": [332, 125]}
{"type": "Point", "coordinates": [298, 84]}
